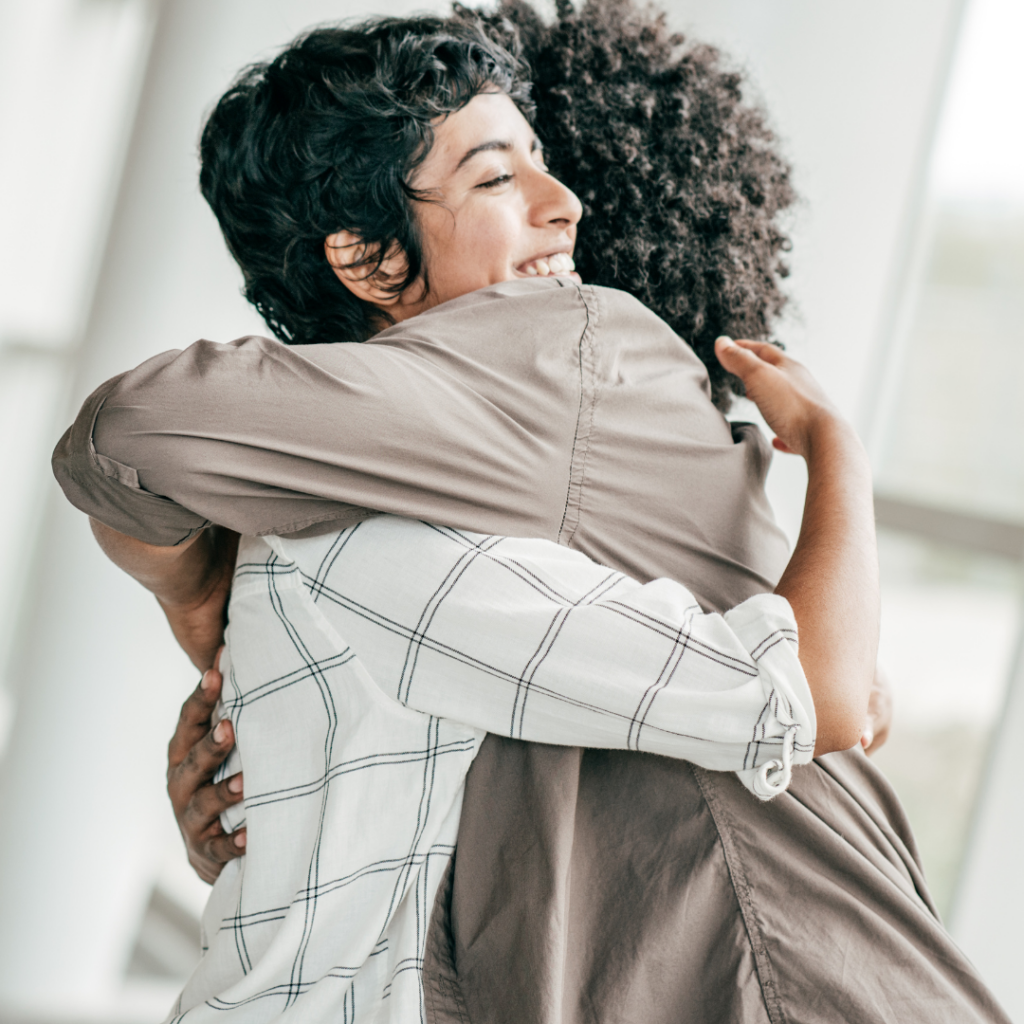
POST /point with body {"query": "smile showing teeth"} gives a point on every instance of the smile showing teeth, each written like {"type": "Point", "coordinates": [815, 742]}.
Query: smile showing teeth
{"type": "Point", "coordinates": [558, 263]}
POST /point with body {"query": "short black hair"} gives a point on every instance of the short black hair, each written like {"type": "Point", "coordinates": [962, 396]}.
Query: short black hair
{"type": "Point", "coordinates": [325, 137]}
{"type": "Point", "coordinates": [680, 176]}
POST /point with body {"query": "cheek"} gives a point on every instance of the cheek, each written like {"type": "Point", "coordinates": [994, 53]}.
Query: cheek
{"type": "Point", "coordinates": [483, 247]}
{"type": "Point", "coordinates": [476, 250]}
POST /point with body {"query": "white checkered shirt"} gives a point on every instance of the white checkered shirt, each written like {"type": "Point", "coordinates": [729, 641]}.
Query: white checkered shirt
{"type": "Point", "coordinates": [363, 670]}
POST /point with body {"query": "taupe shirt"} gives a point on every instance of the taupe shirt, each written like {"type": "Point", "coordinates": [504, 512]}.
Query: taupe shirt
{"type": "Point", "coordinates": [531, 408]}
{"type": "Point", "coordinates": [588, 885]}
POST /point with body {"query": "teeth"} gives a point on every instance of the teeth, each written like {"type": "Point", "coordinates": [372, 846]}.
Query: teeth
{"type": "Point", "coordinates": [559, 263]}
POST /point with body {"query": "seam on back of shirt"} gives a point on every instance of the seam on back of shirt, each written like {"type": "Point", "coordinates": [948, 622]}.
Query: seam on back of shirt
{"type": "Point", "coordinates": [584, 418]}
{"type": "Point", "coordinates": [744, 895]}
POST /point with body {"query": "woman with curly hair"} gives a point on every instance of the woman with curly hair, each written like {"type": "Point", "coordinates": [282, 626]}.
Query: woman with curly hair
{"type": "Point", "coordinates": [681, 181]}
{"type": "Point", "coordinates": [534, 409]}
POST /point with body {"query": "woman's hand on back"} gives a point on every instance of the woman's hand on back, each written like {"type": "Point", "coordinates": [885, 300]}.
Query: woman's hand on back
{"type": "Point", "coordinates": [790, 399]}
{"type": "Point", "coordinates": [195, 753]}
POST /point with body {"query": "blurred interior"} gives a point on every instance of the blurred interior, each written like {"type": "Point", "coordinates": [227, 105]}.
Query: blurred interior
{"type": "Point", "coordinates": [902, 118]}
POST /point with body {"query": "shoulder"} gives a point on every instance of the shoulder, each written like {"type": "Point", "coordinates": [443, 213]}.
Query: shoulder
{"type": "Point", "coordinates": [535, 326]}
{"type": "Point", "coordinates": [509, 307]}
{"type": "Point", "coordinates": [627, 315]}
{"type": "Point", "coordinates": [636, 342]}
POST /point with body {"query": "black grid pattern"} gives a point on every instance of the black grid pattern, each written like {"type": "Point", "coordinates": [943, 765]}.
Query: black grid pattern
{"type": "Point", "coordinates": [363, 669]}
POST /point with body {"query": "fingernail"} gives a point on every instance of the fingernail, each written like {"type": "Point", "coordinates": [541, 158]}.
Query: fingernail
{"type": "Point", "coordinates": [220, 734]}
{"type": "Point", "coordinates": [725, 340]}
{"type": "Point", "coordinates": [866, 739]}
{"type": "Point", "coordinates": [235, 784]}
{"type": "Point", "coordinates": [207, 680]}
{"type": "Point", "coordinates": [240, 840]}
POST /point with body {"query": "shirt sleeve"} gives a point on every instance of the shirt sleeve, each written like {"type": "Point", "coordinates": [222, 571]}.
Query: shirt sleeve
{"type": "Point", "coordinates": [531, 640]}
{"type": "Point", "coordinates": [430, 419]}
{"type": "Point", "coordinates": [109, 490]}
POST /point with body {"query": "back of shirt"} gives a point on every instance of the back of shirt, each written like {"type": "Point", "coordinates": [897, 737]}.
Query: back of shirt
{"type": "Point", "coordinates": [533, 408]}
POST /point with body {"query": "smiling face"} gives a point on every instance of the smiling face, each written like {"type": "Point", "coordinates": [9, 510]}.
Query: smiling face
{"type": "Point", "coordinates": [495, 214]}
{"type": "Point", "coordinates": [501, 216]}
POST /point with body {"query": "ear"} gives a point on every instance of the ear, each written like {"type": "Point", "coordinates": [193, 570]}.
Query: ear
{"type": "Point", "coordinates": [347, 254]}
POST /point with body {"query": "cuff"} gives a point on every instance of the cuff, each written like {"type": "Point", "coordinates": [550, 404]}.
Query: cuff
{"type": "Point", "coordinates": [109, 491]}
{"type": "Point", "coordinates": [785, 732]}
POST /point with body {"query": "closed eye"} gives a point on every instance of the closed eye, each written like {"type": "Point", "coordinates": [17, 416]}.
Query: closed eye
{"type": "Point", "coordinates": [500, 180]}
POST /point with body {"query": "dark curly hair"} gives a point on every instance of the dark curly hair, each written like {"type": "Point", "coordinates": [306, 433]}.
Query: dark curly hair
{"type": "Point", "coordinates": [680, 178]}
{"type": "Point", "coordinates": [324, 138]}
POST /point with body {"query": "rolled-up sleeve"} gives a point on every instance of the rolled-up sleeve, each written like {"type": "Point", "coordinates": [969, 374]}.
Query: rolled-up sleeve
{"type": "Point", "coordinates": [531, 640]}
{"type": "Point", "coordinates": [110, 491]}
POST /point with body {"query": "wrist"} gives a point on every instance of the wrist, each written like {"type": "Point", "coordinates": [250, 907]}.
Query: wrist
{"type": "Point", "coordinates": [190, 594]}
{"type": "Point", "coordinates": [829, 436]}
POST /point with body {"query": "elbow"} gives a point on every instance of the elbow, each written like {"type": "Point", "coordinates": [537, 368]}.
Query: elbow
{"type": "Point", "coordinates": [841, 738]}
{"type": "Point", "coordinates": [840, 728]}
{"type": "Point", "coordinates": [841, 694]}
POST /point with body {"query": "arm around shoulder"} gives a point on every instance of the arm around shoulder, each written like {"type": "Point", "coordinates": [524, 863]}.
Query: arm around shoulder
{"type": "Point", "coordinates": [265, 438]}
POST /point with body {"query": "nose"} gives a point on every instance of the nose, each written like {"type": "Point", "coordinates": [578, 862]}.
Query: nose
{"type": "Point", "coordinates": [552, 202]}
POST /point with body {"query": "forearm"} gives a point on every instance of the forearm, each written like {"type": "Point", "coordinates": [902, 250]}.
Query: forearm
{"type": "Point", "coordinates": [190, 581]}
{"type": "Point", "coordinates": [726, 693]}
{"type": "Point", "coordinates": [831, 583]}
{"type": "Point", "coordinates": [174, 575]}
{"type": "Point", "coordinates": [531, 640]}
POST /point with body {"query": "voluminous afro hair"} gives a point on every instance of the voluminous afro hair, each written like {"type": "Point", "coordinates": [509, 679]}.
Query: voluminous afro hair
{"type": "Point", "coordinates": [680, 178]}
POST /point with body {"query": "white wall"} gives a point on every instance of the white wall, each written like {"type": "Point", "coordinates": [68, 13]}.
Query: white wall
{"type": "Point", "coordinates": [989, 901]}
{"type": "Point", "coordinates": [851, 88]}
{"type": "Point", "coordinates": [95, 675]}
{"type": "Point", "coordinates": [854, 91]}
{"type": "Point", "coordinates": [69, 73]}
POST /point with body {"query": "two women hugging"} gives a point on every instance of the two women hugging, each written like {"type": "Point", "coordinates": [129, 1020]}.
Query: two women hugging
{"type": "Point", "coordinates": [500, 554]}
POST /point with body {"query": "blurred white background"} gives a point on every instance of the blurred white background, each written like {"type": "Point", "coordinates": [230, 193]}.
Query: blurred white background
{"type": "Point", "coordinates": [903, 119]}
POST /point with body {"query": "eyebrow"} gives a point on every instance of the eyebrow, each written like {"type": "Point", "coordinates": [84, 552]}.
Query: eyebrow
{"type": "Point", "coordinates": [501, 145]}
{"type": "Point", "coordinates": [485, 147]}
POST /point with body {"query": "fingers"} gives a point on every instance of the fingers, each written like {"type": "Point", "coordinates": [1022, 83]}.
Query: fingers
{"type": "Point", "coordinates": [880, 713]}
{"type": "Point", "coordinates": [195, 753]}
{"type": "Point", "coordinates": [764, 350]}
{"type": "Point", "coordinates": [194, 720]}
{"type": "Point", "coordinates": [200, 763]}
{"type": "Point", "coordinates": [745, 358]}
{"type": "Point", "coordinates": [207, 805]}
{"type": "Point", "coordinates": [740, 351]}
{"type": "Point", "coordinates": [876, 732]}
{"type": "Point", "coordinates": [210, 856]}
{"type": "Point", "coordinates": [227, 846]}
{"type": "Point", "coordinates": [209, 846]}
